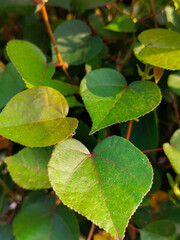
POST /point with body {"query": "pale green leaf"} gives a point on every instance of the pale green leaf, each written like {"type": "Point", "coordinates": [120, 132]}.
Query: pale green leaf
{"type": "Point", "coordinates": [106, 186]}
{"type": "Point", "coordinates": [122, 24]}
{"type": "Point", "coordinates": [28, 168]}
{"type": "Point", "coordinates": [36, 117]}
{"type": "Point", "coordinates": [174, 83]}
{"type": "Point", "coordinates": [10, 84]}
{"type": "Point", "coordinates": [159, 230]}
{"type": "Point", "coordinates": [172, 151]}
{"type": "Point", "coordinates": [42, 220]}
{"type": "Point", "coordinates": [109, 100]}
{"type": "Point", "coordinates": [75, 42]}
{"type": "Point", "coordinates": [159, 47]}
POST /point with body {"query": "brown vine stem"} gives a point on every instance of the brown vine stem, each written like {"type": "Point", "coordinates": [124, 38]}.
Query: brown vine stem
{"type": "Point", "coordinates": [49, 30]}
{"type": "Point", "coordinates": [132, 8]}
{"type": "Point", "coordinates": [93, 226]}
{"type": "Point", "coordinates": [7, 190]}
{"type": "Point", "coordinates": [153, 150]}
{"type": "Point", "coordinates": [119, 9]}
{"type": "Point", "coordinates": [129, 128]}
{"type": "Point", "coordinates": [155, 13]}
{"type": "Point", "coordinates": [175, 106]}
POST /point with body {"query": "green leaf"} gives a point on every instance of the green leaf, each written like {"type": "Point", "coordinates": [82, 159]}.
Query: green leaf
{"type": "Point", "coordinates": [73, 102]}
{"type": "Point", "coordinates": [122, 24]}
{"type": "Point", "coordinates": [174, 83]}
{"type": "Point", "coordinates": [43, 220]}
{"type": "Point", "coordinates": [172, 19]}
{"type": "Point", "coordinates": [159, 47]}
{"type": "Point", "coordinates": [172, 150]}
{"type": "Point", "coordinates": [28, 168]}
{"type": "Point", "coordinates": [88, 4]}
{"type": "Point", "coordinates": [172, 213]}
{"type": "Point", "coordinates": [36, 117]}
{"type": "Point", "coordinates": [6, 232]}
{"type": "Point", "coordinates": [30, 62]}
{"type": "Point", "coordinates": [11, 83]}
{"type": "Point", "coordinates": [159, 230]}
{"type": "Point", "coordinates": [59, 3]}
{"type": "Point", "coordinates": [109, 100]}
{"type": "Point", "coordinates": [106, 186]}
{"type": "Point", "coordinates": [75, 42]}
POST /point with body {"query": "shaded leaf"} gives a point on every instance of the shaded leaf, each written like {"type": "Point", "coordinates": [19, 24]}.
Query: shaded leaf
{"type": "Point", "coordinates": [159, 230]}
{"type": "Point", "coordinates": [94, 184]}
{"type": "Point", "coordinates": [172, 150]}
{"type": "Point", "coordinates": [28, 168]}
{"type": "Point", "coordinates": [160, 48]}
{"type": "Point", "coordinates": [10, 84]}
{"type": "Point", "coordinates": [36, 117]}
{"type": "Point", "coordinates": [43, 220]}
{"type": "Point", "coordinates": [109, 100]}
{"type": "Point", "coordinates": [75, 42]}
{"type": "Point", "coordinates": [88, 4]}
{"type": "Point", "coordinates": [122, 24]}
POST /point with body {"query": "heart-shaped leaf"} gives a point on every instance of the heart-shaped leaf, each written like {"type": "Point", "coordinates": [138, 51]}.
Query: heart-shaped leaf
{"type": "Point", "coordinates": [109, 100]}
{"type": "Point", "coordinates": [42, 220]}
{"type": "Point", "coordinates": [122, 24]}
{"type": "Point", "coordinates": [106, 186]}
{"type": "Point", "coordinates": [10, 84]}
{"type": "Point", "coordinates": [75, 42]}
{"type": "Point", "coordinates": [28, 168]}
{"type": "Point", "coordinates": [32, 65]}
{"type": "Point", "coordinates": [172, 151]}
{"type": "Point", "coordinates": [159, 47]}
{"type": "Point", "coordinates": [36, 117]}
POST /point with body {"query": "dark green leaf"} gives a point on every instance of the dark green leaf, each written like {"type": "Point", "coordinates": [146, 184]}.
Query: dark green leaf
{"type": "Point", "coordinates": [122, 24]}
{"type": "Point", "coordinates": [109, 100]}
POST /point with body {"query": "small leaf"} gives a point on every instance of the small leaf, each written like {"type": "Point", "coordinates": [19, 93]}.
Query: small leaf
{"type": "Point", "coordinates": [158, 73]}
{"type": "Point", "coordinates": [42, 219]}
{"type": "Point", "coordinates": [11, 83]}
{"type": "Point", "coordinates": [122, 24]}
{"type": "Point", "coordinates": [106, 186]}
{"type": "Point", "coordinates": [172, 150]}
{"type": "Point", "coordinates": [28, 168]}
{"type": "Point", "coordinates": [75, 42]}
{"type": "Point", "coordinates": [174, 83]}
{"type": "Point", "coordinates": [160, 48]}
{"type": "Point", "coordinates": [36, 117]}
{"type": "Point", "coordinates": [159, 230]}
{"type": "Point", "coordinates": [109, 100]}
{"type": "Point", "coordinates": [88, 4]}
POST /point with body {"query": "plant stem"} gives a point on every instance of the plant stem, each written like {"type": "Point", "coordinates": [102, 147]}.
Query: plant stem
{"type": "Point", "coordinates": [176, 109]}
{"type": "Point", "coordinates": [119, 9]}
{"type": "Point", "coordinates": [132, 8]}
{"type": "Point", "coordinates": [155, 13]}
{"type": "Point", "coordinates": [129, 128]}
{"type": "Point", "coordinates": [93, 226]}
{"type": "Point", "coordinates": [49, 30]}
{"type": "Point", "coordinates": [153, 150]}
{"type": "Point", "coordinates": [7, 190]}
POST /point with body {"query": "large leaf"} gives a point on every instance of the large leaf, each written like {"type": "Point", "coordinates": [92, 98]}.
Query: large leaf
{"type": "Point", "coordinates": [33, 67]}
{"type": "Point", "coordinates": [36, 117]}
{"type": "Point", "coordinates": [10, 84]}
{"type": "Point", "coordinates": [28, 168]}
{"type": "Point", "coordinates": [121, 24]}
{"type": "Point", "coordinates": [159, 230]}
{"type": "Point", "coordinates": [174, 83]}
{"type": "Point", "coordinates": [109, 100]}
{"type": "Point", "coordinates": [75, 42]}
{"type": "Point", "coordinates": [172, 151]}
{"type": "Point", "coordinates": [159, 47]}
{"type": "Point", "coordinates": [42, 220]}
{"type": "Point", "coordinates": [88, 4]}
{"type": "Point", "coordinates": [106, 186]}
